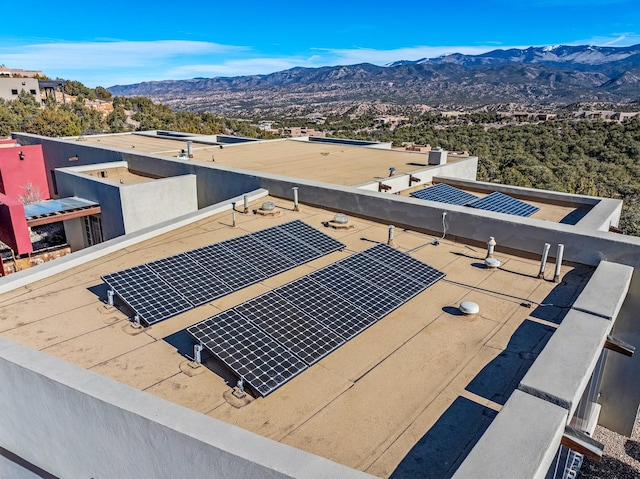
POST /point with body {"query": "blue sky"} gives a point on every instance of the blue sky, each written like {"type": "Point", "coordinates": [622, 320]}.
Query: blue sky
{"type": "Point", "coordinates": [123, 42]}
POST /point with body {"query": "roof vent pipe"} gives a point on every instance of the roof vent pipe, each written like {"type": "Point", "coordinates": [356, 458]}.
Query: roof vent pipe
{"type": "Point", "coordinates": [556, 276]}
{"type": "Point", "coordinates": [390, 240]}
{"type": "Point", "coordinates": [197, 353]}
{"type": "Point", "coordinates": [233, 214]}
{"type": "Point", "coordinates": [190, 149]}
{"type": "Point", "coordinates": [491, 245]}
{"type": "Point", "coordinates": [543, 263]}
{"type": "Point", "coordinates": [246, 203]}
{"type": "Point", "coordinates": [295, 199]}
{"type": "Point", "coordinates": [110, 297]}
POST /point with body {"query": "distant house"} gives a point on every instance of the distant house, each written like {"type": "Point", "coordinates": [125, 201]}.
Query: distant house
{"type": "Point", "coordinates": [19, 72]}
{"type": "Point", "coordinates": [10, 88]}
{"type": "Point", "coordinates": [298, 131]}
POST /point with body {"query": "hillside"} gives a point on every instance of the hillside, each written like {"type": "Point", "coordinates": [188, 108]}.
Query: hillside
{"type": "Point", "coordinates": [551, 76]}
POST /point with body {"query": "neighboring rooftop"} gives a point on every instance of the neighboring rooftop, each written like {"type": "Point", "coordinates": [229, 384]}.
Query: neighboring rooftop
{"type": "Point", "coordinates": [421, 379]}
{"type": "Point", "coordinates": [332, 163]}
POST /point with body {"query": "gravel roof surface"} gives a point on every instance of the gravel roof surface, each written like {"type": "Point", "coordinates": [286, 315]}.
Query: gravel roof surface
{"type": "Point", "coordinates": [621, 458]}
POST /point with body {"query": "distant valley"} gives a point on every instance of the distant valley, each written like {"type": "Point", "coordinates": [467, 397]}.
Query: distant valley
{"type": "Point", "coordinates": [547, 77]}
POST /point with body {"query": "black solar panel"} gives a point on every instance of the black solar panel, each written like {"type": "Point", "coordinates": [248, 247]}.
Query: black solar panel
{"type": "Point", "coordinates": [262, 258]}
{"type": "Point", "coordinates": [147, 294]}
{"type": "Point", "coordinates": [305, 337]}
{"type": "Point", "coordinates": [248, 351]}
{"type": "Point", "coordinates": [194, 282]}
{"type": "Point", "coordinates": [405, 264]}
{"type": "Point", "coordinates": [356, 290]}
{"type": "Point", "coordinates": [313, 315]}
{"type": "Point", "coordinates": [227, 266]}
{"type": "Point", "coordinates": [387, 279]}
{"type": "Point", "coordinates": [287, 245]}
{"type": "Point", "coordinates": [325, 244]}
{"type": "Point", "coordinates": [502, 203]}
{"type": "Point", "coordinates": [326, 307]}
{"type": "Point", "coordinates": [444, 193]}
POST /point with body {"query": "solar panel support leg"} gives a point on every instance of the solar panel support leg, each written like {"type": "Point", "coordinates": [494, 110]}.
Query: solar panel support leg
{"type": "Point", "coordinates": [238, 391]}
{"type": "Point", "coordinates": [110, 297]}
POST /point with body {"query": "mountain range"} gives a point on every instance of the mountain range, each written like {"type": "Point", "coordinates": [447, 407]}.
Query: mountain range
{"type": "Point", "coordinates": [551, 76]}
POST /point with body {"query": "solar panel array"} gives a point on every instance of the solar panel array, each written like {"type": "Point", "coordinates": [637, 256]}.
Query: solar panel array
{"type": "Point", "coordinates": [312, 316]}
{"type": "Point", "coordinates": [496, 201]}
{"type": "Point", "coordinates": [169, 286]}
{"type": "Point", "coordinates": [444, 193]}
{"type": "Point", "coordinates": [502, 203]}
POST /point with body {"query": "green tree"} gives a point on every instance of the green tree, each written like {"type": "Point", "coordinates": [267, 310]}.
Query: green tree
{"type": "Point", "coordinates": [117, 120]}
{"type": "Point", "coordinates": [103, 94]}
{"type": "Point", "coordinates": [50, 122]}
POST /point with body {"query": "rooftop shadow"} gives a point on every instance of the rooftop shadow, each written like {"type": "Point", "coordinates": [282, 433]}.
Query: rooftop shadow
{"type": "Point", "coordinates": [442, 449]}
{"type": "Point", "coordinates": [182, 341]}
{"type": "Point", "coordinates": [575, 216]}
{"type": "Point", "coordinates": [501, 377]}
{"type": "Point", "coordinates": [100, 290]}
{"type": "Point", "coordinates": [557, 303]}
{"type": "Point", "coordinates": [608, 467]}
{"type": "Point", "coordinates": [632, 449]}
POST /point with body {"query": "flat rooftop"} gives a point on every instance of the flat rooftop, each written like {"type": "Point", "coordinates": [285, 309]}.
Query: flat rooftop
{"type": "Point", "coordinates": [338, 164]}
{"type": "Point", "coordinates": [331, 163]}
{"type": "Point", "coordinates": [120, 175]}
{"type": "Point", "coordinates": [422, 384]}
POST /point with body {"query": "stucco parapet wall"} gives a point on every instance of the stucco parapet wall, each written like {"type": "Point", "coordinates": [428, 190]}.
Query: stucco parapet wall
{"type": "Point", "coordinates": [45, 270]}
{"type": "Point", "coordinates": [606, 290]}
{"type": "Point", "coordinates": [563, 369]}
{"type": "Point", "coordinates": [521, 442]}
{"type": "Point", "coordinates": [91, 413]}
{"type": "Point", "coordinates": [93, 167]}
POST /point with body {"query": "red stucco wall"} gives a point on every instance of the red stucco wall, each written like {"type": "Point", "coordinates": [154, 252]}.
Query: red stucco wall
{"type": "Point", "coordinates": [13, 225]}
{"type": "Point", "coordinates": [16, 174]}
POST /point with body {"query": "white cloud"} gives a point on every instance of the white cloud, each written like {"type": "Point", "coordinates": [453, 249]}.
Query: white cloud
{"type": "Point", "coordinates": [615, 40]}
{"type": "Point", "coordinates": [249, 66]}
{"type": "Point", "coordinates": [381, 57]}
{"type": "Point", "coordinates": [106, 55]}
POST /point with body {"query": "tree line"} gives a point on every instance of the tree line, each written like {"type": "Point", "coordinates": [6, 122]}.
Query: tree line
{"type": "Point", "coordinates": [76, 118]}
